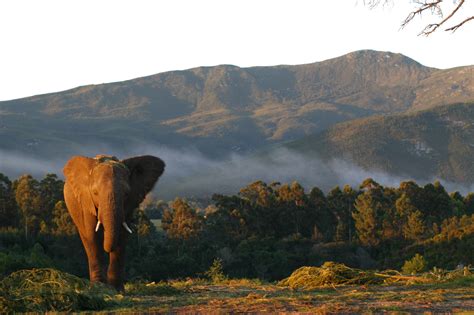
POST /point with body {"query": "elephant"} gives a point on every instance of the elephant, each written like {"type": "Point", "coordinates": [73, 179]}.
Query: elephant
{"type": "Point", "coordinates": [101, 194]}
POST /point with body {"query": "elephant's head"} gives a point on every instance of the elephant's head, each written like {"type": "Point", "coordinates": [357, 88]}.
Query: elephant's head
{"type": "Point", "coordinates": [110, 189]}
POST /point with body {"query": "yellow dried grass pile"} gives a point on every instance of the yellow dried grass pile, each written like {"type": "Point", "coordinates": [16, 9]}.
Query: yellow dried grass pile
{"type": "Point", "coordinates": [42, 290]}
{"type": "Point", "coordinates": [332, 274]}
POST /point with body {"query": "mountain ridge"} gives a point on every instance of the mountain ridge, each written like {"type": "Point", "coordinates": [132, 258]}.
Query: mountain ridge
{"type": "Point", "coordinates": [226, 109]}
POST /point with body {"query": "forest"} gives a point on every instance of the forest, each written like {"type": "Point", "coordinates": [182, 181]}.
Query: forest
{"type": "Point", "coordinates": [264, 231]}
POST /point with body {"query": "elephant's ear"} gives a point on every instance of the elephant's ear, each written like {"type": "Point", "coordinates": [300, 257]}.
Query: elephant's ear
{"type": "Point", "coordinates": [77, 172]}
{"type": "Point", "coordinates": [144, 172]}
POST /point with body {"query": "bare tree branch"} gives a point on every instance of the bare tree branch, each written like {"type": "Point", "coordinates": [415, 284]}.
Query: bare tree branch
{"type": "Point", "coordinates": [432, 6]}
{"type": "Point", "coordinates": [430, 28]}
{"type": "Point", "coordinates": [455, 27]}
{"type": "Point", "coordinates": [374, 3]}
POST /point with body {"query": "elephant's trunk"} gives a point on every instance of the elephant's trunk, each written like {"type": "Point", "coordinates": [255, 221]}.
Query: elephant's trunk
{"type": "Point", "coordinates": [111, 217]}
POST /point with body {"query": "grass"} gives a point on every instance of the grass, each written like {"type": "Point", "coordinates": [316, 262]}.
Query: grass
{"type": "Point", "coordinates": [41, 290]}
{"type": "Point", "coordinates": [242, 296]}
{"type": "Point", "coordinates": [151, 288]}
{"type": "Point", "coordinates": [255, 296]}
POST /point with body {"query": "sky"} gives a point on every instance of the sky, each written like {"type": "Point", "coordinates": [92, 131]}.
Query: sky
{"type": "Point", "coordinates": [53, 45]}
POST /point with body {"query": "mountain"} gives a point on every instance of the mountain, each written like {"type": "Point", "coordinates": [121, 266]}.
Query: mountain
{"type": "Point", "coordinates": [224, 108]}
{"type": "Point", "coordinates": [437, 142]}
{"type": "Point", "coordinates": [445, 87]}
{"type": "Point", "coordinates": [367, 106]}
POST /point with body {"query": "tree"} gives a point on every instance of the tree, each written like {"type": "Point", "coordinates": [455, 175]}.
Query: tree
{"type": "Point", "coordinates": [338, 208]}
{"type": "Point", "coordinates": [144, 228]}
{"type": "Point", "coordinates": [8, 207]}
{"type": "Point", "coordinates": [182, 222]}
{"type": "Point", "coordinates": [293, 208]}
{"type": "Point", "coordinates": [374, 213]}
{"type": "Point", "coordinates": [458, 205]}
{"type": "Point", "coordinates": [154, 210]}
{"type": "Point", "coordinates": [228, 223]}
{"type": "Point", "coordinates": [61, 220]}
{"type": "Point", "coordinates": [414, 227]}
{"type": "Point", "coordinates": [389, 216]}
{"type": "Point", "coordinates": [341, 203]}
{"type": "Point", "coordinates": [259, 193]}
{"type": "Point", "coordinates": [260, 208]}
{"type": "Point", "coordinates": [437, 204]}
{"type": "Point", "coordinates": [28, 198]}
{"type": "Point", "coordinates": [143, 224]}
{"type": "Point", "coordinates": [409, 219]}
{"type": "Point", "coordinates": [446, 11]}
{"type": "Point", "coordinates": [469, 203]}
{"type": "Point", "coordinates": [324, 219]}
{"type": "Point", "coordinates": [369, 184]}
{"type": "Point", "coordinates": [367, 209]}
{"type": "Point", "coordinates": [413, 192]}
{"type": "Point", "coordinates": [51, 191]}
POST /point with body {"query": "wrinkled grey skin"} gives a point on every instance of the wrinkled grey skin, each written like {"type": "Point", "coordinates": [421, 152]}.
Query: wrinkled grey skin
{"type": "Point", "coordinates": [107, 190]}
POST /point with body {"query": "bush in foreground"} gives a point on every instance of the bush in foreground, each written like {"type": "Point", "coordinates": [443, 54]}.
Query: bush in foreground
{"type": "Point", "coordinates": [415, 265]}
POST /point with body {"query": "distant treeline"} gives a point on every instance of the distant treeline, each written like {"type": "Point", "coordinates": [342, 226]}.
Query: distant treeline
{"type": "Point", "coordinates": [264, 231]}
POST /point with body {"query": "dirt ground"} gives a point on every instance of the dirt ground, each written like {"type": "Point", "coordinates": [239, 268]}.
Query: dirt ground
{"type": "Point", "coordinates": [268, 298]}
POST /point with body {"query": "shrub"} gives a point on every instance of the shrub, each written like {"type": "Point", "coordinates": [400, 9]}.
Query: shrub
{"type": "Point", "coordinates": [215, 272]}
{"type": "Point", "coordinates": [415, 265]}
{"type": "Point", "coordinates": [10, 262]}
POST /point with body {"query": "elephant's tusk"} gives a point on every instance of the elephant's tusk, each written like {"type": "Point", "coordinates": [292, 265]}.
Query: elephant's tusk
{"type": "Point", "coordinates": [97, 226]}
{"type": "Point", "coordinates": [129, 230]}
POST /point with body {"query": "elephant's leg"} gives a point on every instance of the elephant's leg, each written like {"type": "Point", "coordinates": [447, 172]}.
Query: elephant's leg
{"type": "Point", "coordinates": [116, 270]}
{"type": "Point", "coordinates": [95, 256]}
{"type": "Point", "coordinates": [89, 240]}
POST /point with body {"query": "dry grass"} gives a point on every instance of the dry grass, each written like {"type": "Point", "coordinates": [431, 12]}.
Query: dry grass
{"type": "Point", "coordinates": [243, 297]}
{"type": "Point", "coordinates": [41, 290]}
{"type": "Point", "coordinates": [450, 294]}
{"type": "Point", "coordinates": [332, 274]}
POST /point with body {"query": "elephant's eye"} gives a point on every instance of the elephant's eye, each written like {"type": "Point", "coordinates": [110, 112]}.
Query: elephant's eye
{"type": "Point", "coordinates": [95, 192]}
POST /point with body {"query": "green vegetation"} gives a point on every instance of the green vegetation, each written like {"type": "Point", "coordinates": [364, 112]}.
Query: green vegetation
{"type": "Point", "coordinates": [266, 232]}
{"type": "Point", "coordinates": [215, 272]}
{"type": "Point", "coordinates": [415, 265]}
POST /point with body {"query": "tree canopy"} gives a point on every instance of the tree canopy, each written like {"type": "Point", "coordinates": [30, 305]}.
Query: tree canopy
{"type": "Point", "coordinates": [264, 230]}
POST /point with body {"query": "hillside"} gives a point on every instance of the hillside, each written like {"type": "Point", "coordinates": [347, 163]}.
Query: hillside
{"type": "Point", "coordinates": [433, 143]}
{"type": "Point", "coordinates": [215, 126]}
{"type": "Point", "coordinates": [226, 108]}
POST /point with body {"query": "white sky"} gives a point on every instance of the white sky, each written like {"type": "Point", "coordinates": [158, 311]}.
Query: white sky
{"type": "Point", "coordinates": [48, 46]}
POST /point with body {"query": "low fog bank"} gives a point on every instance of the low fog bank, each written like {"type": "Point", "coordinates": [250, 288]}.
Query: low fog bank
{"type": "Point", "coordinates": [15, 164]}
{"type": "Point", "coordinates": [191, 174]}
{"type": "Point", "coordinates": [195, 175]}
